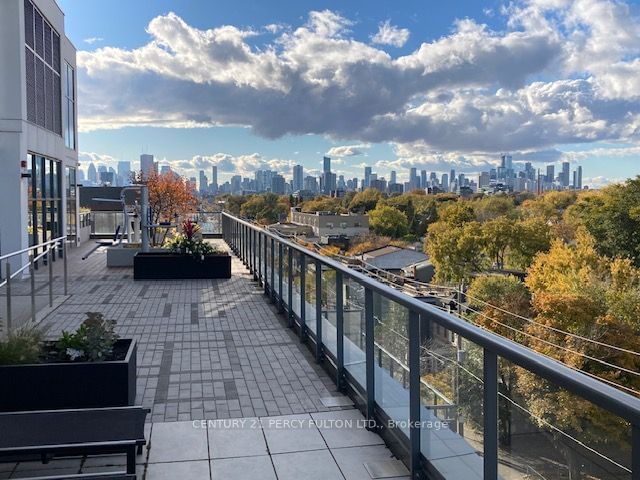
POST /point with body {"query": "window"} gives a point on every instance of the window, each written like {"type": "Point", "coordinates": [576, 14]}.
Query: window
{"type": "Point", "coordinates": [42, 70]}
{"type": "Point", "coordinates": [70, 106]}
{"type": "Point", "coordinates": [44, 203]}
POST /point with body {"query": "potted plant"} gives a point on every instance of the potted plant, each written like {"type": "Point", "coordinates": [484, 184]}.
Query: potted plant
{"type": "Point", "coordinates": [91, 367]}
{"type": "Point", "coordinates": [189, 256]}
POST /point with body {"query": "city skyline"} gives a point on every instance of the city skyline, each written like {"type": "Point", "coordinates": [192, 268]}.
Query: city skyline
{"type": "Point", "coordinates": [536, 100]}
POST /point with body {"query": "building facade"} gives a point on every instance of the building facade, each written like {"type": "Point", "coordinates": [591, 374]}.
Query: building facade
{"type": "Point", "coordinates": [38, 133]}
{"type": "Point", "coordinates": [327, 224]}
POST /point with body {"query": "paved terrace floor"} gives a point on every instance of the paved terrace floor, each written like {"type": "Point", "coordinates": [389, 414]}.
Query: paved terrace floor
{"type": "Point", "coordinates": [215, 350]}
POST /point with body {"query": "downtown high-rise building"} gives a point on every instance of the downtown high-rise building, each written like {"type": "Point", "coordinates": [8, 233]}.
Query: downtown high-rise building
{"type": "Point", "coordinates": [147, 165]}
{"type": "Point", "coordinates": [214, 179]}
{"type": "Point", "coordinates": [367, 178]}
{"type": "Point", "coordinates": [298, 178]}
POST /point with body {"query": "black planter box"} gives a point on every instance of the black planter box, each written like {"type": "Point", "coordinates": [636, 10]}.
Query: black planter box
{"type": "Point", "coordinates": [51, 386]}
{"type": "Point", "coordinates": [174, 266]}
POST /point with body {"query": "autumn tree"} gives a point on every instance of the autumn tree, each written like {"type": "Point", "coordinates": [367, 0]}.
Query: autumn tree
{"type": "Point", "coordinates": [265, 209]}
{"type": "Point", "coordinates": [323, 204]}
{"type": "Point", "coordinates": [456, 213]}
{"type": "Point", "coordinates": [387, 220]}
{"type": "Point", "coordinates": [169, 198]}
{"type": "Point", "coordinates": [420, 210]}
{"type": "Point", "coordinates": [455, 250]}
{"type": "Point", "coordinates": [364, 201]}
{"type": "Point", "coordinates": [492, 207]}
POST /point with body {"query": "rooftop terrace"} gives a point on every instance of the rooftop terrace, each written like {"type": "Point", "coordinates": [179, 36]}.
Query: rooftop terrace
{"type": "Point", "coordinates": [214, 350]}
{"type": "Point", "coordinates": [303, 352]}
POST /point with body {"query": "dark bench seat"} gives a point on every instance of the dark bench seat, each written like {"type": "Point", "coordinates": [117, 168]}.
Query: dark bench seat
{"type": "Point", "coordinates": [77, 431]}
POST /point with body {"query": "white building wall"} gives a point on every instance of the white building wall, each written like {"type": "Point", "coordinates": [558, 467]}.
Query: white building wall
{"type": "Point", "coordinates": [18, 137]}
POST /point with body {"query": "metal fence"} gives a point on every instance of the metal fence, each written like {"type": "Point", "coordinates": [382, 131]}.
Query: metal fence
{"type": "Point", "coordinates": [317, 295]}
{"type": "Point", "coordinates": [22, 286]}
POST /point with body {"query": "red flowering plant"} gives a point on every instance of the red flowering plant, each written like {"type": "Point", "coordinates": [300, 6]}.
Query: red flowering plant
{"type": "Point", "coordinates": [189, 242]}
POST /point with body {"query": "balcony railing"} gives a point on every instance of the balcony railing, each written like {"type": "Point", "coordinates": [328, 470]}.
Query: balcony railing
{"type": "Point", "coordinates": [449, 410]}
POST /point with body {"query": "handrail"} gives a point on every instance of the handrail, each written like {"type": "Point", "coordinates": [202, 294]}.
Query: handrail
{"type": "Point", "coordinates": [26, 250]}
{"type": "Point", "coordinates": [595, 391]}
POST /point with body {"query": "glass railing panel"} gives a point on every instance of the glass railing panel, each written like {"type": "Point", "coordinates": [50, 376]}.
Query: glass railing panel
{"type": "Point", "coordinates": [329, 331]}
{"type": "Point", "coordinates": [354, 330]}
{"type": "Point", "coordinates": [285, 277]}
{"type": "Point", "coordinates": [451, 394]}
{"type": "Point", "coordinates": [296, 283]}
{"type": "Point", "coordinates": [391, 353]}
{"type": "Point", "coordinates": [545, 431]}
{"type": "Point", "coordinates": [310, 294]}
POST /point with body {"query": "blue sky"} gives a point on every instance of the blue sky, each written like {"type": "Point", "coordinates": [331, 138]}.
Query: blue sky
{"type": "Point", "coordinates": [247, 84]}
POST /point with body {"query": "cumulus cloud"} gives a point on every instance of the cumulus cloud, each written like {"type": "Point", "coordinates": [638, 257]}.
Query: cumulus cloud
{"type": "Point", "coordinates": [562, 72]}
{"type": "Point", "coordinates": [348, 150]}
{"type": "Point", "coordinates": [390, 35]}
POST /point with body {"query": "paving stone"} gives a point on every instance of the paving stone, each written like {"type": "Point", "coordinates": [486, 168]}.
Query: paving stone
{"type": "Point", "coordinates": [315, 465]}
{"type": "Point", "coordinates": [245, 468]}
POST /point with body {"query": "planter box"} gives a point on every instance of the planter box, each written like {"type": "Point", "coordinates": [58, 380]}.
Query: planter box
{"type": "Point", "coordinates": [51, 386]}
{"type": "Point", "coordinates": [173, 266]}
{"type": "Point", "coordinates": [122, 255]}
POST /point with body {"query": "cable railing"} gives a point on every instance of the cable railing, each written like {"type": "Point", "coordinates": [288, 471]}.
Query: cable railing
{"type": "Point", "coordinates": [45, 251]}
{"type": "Point", "coordinates": [282, 267]}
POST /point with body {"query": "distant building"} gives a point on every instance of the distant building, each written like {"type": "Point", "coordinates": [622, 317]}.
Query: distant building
{"type": "Point", "coordinates": [328, 224]}
{"type": "Point", "coordinates": [214, 179]}
{"type": "Point", "coordinates": [298, 176]}
{"type": "Point", "coordinates": [278, 185]}
{"type": "Point", "coordinates": [147, 165]}
{"type": "Point", "coordinates": [400, 261]}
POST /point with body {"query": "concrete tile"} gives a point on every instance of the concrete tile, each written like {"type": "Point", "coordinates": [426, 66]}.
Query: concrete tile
{"type": "Point", "coordinates": [351, 460]}
{"type": "Point", "coordinates": [345, 428]}
{"type": "Point", "coordinates": [178, 441]}
{"type": "Point", "coordinates": [236, 438]}
{"type": "Point", "coordinates": [245, 468]}
{"type": "Point", "coordinates": [316, 465]}
{"type": "Point", "coordinates": [291, 433]}
{"type": "Point", "coordinates": [196, 470]}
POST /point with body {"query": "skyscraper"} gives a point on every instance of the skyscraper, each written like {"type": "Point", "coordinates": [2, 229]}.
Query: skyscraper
{"type": "Point", "coordinates": [550, 174]}
{"type": "Point", "coordinates": [214, 179]}
{"type": "Point", "coordinates": [92, 174]}
{"type": "Point", "coordinates": [423, 179]}
{"type": "Point", "coordinates": [565, 174]}
{"type": "Point", "coordinates": [326, 164]}
{"type": "Point", "coordinates": [147, 165]}
{"type": "Point", "coordinates": [579, 182]}
{"type": "Point", "coordinates": [445, 182]}
{"type": "Point", "coordinates": [367, 177]}
{"type": "Point", "coordinates": [204, 183]}
{"type": "Point", "coordinates": [392, 177]}
{"type": "Point", "coordinates": [298, 176]}
{"type": "Point", "coordinates": [124, 172]}
{"type": "Point", "coordinates": [277, 184]}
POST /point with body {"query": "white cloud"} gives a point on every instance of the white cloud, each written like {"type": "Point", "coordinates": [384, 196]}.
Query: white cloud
{"type": "Point", "coordinates": [92, 40]}
{"type": "Point", "coordinates": [348, 150]}
{"type": "Point", "coordinates": [390, 35]}
{"type": "Point", "coordinates": [562, 72]}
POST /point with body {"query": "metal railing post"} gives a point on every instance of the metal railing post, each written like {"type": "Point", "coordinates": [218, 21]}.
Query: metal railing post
{"type": "Point", "coordinates": [369, 353]}
{"type": "Point", "coordinates": [254, 259]}
{"type": "Point", "coordinates": [280, 273]}
{"type": "Point", "coordinates": [339, 332]}
{"type": "Point", "coordinates": [635, 452]}
{"type": "Point", "coordinates": [414, 393]}
{"type": "Point", "coordinates": [32, 277]}
{"type": "Point", "coordinates": [259, 252]}
{"type": "Point", "coordinates": [50, 267]}
{"type": "Point", "coordinates": [265, 284]}
{"type": "Point", "coordinates": [303, 292]}
{"type": "Point", "coordinates": [66, 272]}
{"type": "Point", "coordinates": [273, 271]}
{"type": "Point", "coordinates": [8, 278]}
{"type": "Point", "coordinates": [290, 284]}
{"type": "Point", "coordinates": [318, 311]}
{"type": "Point", "coordinates": [490, 412]}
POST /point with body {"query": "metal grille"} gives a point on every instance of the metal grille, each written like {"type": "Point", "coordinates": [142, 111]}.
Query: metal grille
{"type": "Point", "coordinates": [30, 72]}
{"type": "Point", "coordinates": [40, 116]}
{"type": "Point", "coordinates": [57, 120]}
{"type": "Point", "coordinates": [48, 98]}
{"type": "Point", "coordinates": [47, 43]}
{"type": "Point", "coordinates": [28, 23]}
{"type": "Point", "coordinates": [56, 52]}
{"type": "Point", "coordinates": [38, 33]}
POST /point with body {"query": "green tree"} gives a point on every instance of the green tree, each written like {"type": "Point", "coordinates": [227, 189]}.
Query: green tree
{"type": "Point", "coordinates": [421, 210]}
{"type": "Point", "coordinates": [386, 220]}
{"type": "Point", "coordinates": [531, 236]}
{"type": "Point", "coordinates": [492, 207]}
{"type": "Point", "coordinates": [455, 251]}
{"type": "Point", "coordinates": [612, 216]}
{"type": "Point", "coordinates": [323, 204]}
{"type": "Point", "coordinates": [364, 201]}
{"type": "Point", "coordinates": [265, 209]}
{"type": "Point", "coordinates": [456, 213]}
{"type": "Point", "coordinates": [497, 237]}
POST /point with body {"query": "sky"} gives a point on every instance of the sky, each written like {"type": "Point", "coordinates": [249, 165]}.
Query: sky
{"type": "Point", "coordinates": [248, 85]}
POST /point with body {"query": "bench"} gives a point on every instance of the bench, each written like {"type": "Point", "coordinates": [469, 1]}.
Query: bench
{"type": "Point", "coordinates": [76, 431]}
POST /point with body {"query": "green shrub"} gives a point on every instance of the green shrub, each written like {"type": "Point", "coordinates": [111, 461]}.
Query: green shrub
{"type": "Point", "coordinates": [93, 341]}
{"type": "Point", "coordinates": [22, 346]}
